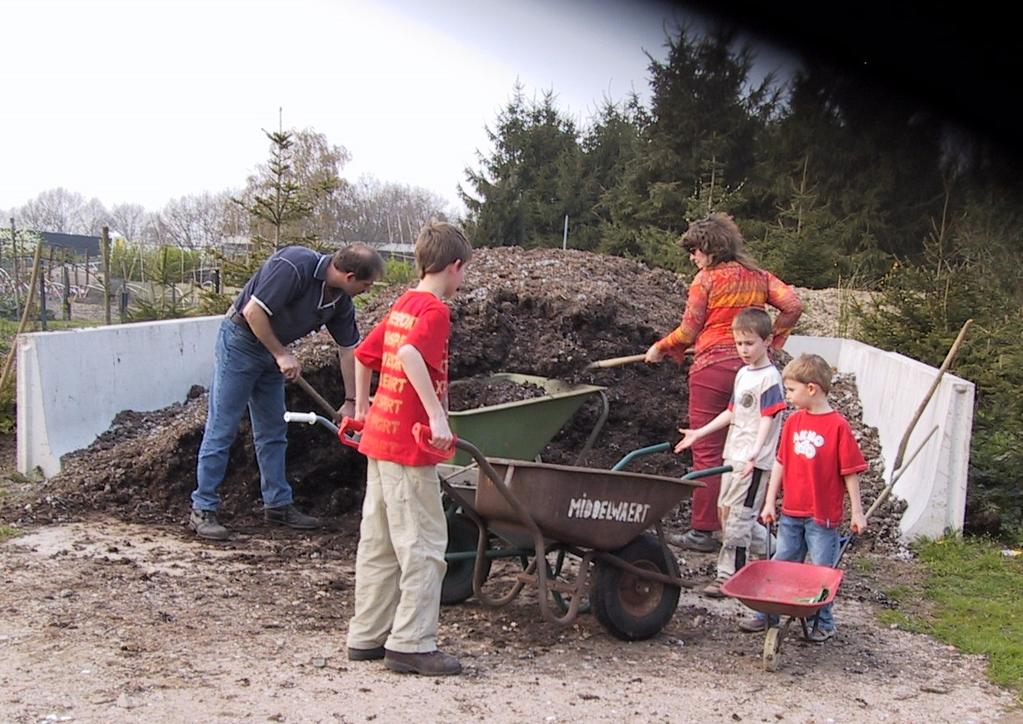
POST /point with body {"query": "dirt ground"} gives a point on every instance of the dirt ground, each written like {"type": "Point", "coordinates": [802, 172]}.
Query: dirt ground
{"type": "Point", "coordinates": [104, 621]}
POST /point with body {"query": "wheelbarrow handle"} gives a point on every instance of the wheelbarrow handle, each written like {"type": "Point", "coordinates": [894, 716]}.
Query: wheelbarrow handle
{"type": "Point", "coordinates": [350, 425]}
{"type": "Point", "coordinates": [310, 418]}
{"type": "Point", "coordinates": [422, 435]}
{"type": "Point", "coordinates": [707, 472]}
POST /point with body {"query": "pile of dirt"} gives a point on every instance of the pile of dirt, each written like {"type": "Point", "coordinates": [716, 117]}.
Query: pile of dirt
{"type": "Point", "coordinates": [550, 312]}
{"type": "Point", "coordinates": [477, 392]}
{"type": "Point", "coordinates": [143, 466]}
{"type": "Point", "coordinates": [833, 312]}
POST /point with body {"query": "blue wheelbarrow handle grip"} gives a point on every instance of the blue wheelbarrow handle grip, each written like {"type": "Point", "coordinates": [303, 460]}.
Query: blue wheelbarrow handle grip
{"type": "Point", "coordinates": [707, 472]}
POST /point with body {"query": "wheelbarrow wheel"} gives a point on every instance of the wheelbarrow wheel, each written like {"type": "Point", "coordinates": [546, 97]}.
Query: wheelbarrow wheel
{"type": "Point", "coordinates": [462, 537]}
{"type": "Point", "coordinates": [772, 648]}
{"type": "Point", "coordinates": [631, 607]}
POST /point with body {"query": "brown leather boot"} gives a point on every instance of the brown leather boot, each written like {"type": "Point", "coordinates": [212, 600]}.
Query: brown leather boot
{"type": "Point", "coordinates": [433, 663]}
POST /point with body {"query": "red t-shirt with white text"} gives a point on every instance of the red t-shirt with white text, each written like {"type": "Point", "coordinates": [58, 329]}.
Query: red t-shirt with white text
{"type": "Point", "coordinates": [818, 451]}
{"type": "Point", "coordinates": [423, 321]}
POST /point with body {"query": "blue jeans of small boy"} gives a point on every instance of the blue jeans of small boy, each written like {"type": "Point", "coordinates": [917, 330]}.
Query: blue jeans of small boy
{"type": "Point", "coordinates": [799, 536]}
{"type": "Point", "coordinates": [245, 375]}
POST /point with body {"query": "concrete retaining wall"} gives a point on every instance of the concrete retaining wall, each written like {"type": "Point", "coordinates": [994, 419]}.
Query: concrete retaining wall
{"type": "Point", "coordinates": [72, 383]}
{"type": "Point", "coordinates": [891, 387]}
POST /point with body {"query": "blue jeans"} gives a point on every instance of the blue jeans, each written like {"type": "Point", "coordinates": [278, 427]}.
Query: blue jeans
{"type": "Point", "coordinates": [244, 374]}
{"type": "Point", "coordinates": [799, 536]}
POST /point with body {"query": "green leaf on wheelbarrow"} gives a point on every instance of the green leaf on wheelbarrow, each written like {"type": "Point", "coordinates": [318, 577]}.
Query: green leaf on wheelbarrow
{"type": "Point", "coordinates": [822, 596]}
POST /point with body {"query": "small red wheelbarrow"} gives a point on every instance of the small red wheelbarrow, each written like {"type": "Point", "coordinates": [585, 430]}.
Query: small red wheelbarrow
{"type": "Point", "coordinates": [783, 588]}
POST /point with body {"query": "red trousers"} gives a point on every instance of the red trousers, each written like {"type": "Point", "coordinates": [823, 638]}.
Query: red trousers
{"type": "Point", "coordinates": [710, 389]}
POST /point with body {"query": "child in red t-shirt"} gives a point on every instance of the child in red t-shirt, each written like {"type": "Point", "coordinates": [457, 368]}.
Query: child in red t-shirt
{"type": "Point", "coordinates": [399, 566]}
{"type": "Point", "coordinates": [818, 463]}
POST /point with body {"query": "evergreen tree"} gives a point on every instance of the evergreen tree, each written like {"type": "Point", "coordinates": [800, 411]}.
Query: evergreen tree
{"type": "Point", "coordinates": [525, 187]}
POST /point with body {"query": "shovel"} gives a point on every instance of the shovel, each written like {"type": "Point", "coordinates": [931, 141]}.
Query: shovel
{"type": "Point", "coordinates": [619, 361]}
{"type": "Point", "coordinates": [327, 408]}
{"type": "Point", "coordinates": [616, 361]}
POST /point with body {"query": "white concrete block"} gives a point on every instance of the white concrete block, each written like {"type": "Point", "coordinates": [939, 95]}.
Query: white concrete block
{"type": "Point", "coordinates": [891, 388]}
{"type": "Point", "coordinates": [71, 384]}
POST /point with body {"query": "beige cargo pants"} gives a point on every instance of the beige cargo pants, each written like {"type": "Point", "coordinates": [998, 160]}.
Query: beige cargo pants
{"type": "Point", "coordinates": [739, 504]}
{"type": "Point", "coordinates": [400, 564]}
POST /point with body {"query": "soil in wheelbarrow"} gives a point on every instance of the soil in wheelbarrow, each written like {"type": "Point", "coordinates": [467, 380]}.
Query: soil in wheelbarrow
{"type": "Point", "coordinates": [542, 312]}
{"type": "Point", "coordinates": [474, 393]}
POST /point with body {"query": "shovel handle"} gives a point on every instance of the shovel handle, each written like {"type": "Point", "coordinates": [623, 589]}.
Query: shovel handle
{"type": "Point", "coordinates": [316, 397]}
{"type": "Point", "coordinates": [421, 434]}
{"type": "Point", "coordinates": [616, 361]}
{"type": "Point", "coordinates": [348, 425]}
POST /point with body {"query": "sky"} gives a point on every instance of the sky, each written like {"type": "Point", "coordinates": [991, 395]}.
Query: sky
{"type": "Point", "coordinates": [141, 101]}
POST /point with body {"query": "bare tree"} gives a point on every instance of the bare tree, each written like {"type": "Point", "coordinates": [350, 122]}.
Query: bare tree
{"type": "Point", "coordinates": [192, 222]}
{"type": "Point", "coordinates": [379, 212]}
{"type": "Point", "coordinates": [92, 217]}
{"type": "Point", "coordinates": [128, 220]}
{"type": "Point", "coordinates": [53, 210]}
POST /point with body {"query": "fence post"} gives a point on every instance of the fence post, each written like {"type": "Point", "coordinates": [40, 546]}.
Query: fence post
{"type": "Point", "coordinates": [123, 306]}
{"type": "Point", "coordinates": [14, 257]}
{"type": "Point", "coordinates": [67, 292]}
{"type": "Point", "coordinates": [106, 273]}
{"type": "Point", "coordinates": [216, 281]}
{"type": "Point", "coordinates": [42, 293]}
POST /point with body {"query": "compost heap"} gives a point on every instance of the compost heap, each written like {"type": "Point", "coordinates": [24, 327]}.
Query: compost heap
{"type": "Point", "coordinates": [540, 312]}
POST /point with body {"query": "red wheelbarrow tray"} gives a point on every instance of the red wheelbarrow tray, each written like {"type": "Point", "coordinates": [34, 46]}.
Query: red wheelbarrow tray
{"type": "Point", "coordinates": [783, 587]}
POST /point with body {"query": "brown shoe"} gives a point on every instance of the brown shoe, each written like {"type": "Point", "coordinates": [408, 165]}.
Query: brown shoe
{"type": "Point", "coordinates": [365, 654]}
{"type": "Point", "coordinates": [433, 663]}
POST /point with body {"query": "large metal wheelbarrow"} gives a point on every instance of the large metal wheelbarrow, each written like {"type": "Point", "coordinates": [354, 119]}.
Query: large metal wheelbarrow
{"type": "Point", "coordinates": [602, 518]}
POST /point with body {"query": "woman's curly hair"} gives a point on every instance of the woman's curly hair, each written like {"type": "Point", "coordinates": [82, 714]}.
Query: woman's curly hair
{"type": "Point", "coordinates": [718, 237]}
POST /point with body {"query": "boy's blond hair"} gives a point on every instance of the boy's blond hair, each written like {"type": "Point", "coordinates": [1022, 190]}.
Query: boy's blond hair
{"type": "Point", "coordinates": [753, 320]}
{"type": "Point", "coordinates": [438, 245]}
{"type": "Point", "coordinates": [807, 369]}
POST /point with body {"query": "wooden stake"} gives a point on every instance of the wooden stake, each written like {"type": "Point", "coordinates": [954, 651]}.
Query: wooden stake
{"type": "Point", "coordinates": [952, 352]}
{"type": "Point", "coordinates": [106, 273]}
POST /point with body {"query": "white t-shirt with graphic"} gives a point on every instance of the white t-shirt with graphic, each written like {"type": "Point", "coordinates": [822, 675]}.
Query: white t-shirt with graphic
{"type": "Point", "coordinates": [757, 393]}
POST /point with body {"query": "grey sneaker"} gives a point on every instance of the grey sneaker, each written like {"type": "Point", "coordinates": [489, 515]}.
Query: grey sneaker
{"type": "Point", "coordinates": [206, 525]}
{"type": "Point", "coordinates": [365, 654]}
{"type": "Point", "coordinates": [433, 663]}
{"type": "Point", "coordinates": [290, 516]}
{"type": "Point", "coordinates": [754, 624]}
{"type": "Point", "coordinates": [820, 635]}
{"type": "Point", "coordinates": [696, 540]}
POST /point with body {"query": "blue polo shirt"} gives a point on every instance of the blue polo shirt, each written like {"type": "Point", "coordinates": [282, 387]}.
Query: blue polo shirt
{"type": "Point", "coordinates": [291, 287]}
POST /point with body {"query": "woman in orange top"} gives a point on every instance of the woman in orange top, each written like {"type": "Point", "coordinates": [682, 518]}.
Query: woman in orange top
{"type": "Point", "coordinates": [727, 282]}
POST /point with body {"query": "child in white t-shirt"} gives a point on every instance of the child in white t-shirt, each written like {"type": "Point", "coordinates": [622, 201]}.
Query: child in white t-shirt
{"type": "Point", "coordinates": [753, 428]}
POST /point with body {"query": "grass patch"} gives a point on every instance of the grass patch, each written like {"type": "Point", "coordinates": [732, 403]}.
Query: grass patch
{"type": "Point", "coordinates": [977, 603]}
{"type": "Point", "coordinates": [7, 532]}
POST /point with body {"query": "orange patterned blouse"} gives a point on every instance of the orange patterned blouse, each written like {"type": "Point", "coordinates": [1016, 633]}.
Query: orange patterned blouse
{"type": "Point", "coordinates": [717, 294]}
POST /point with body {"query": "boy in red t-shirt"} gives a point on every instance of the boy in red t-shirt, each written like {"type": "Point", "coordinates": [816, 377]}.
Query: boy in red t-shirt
{"type": "Point", "coordinates": [400, 564]}
{"type": "Point", "coordinates": [818, 463]}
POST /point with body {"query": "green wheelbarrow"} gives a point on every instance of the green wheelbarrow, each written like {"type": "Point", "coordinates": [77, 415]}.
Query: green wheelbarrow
{"type": "Point", "coordinates": [521, 429]}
